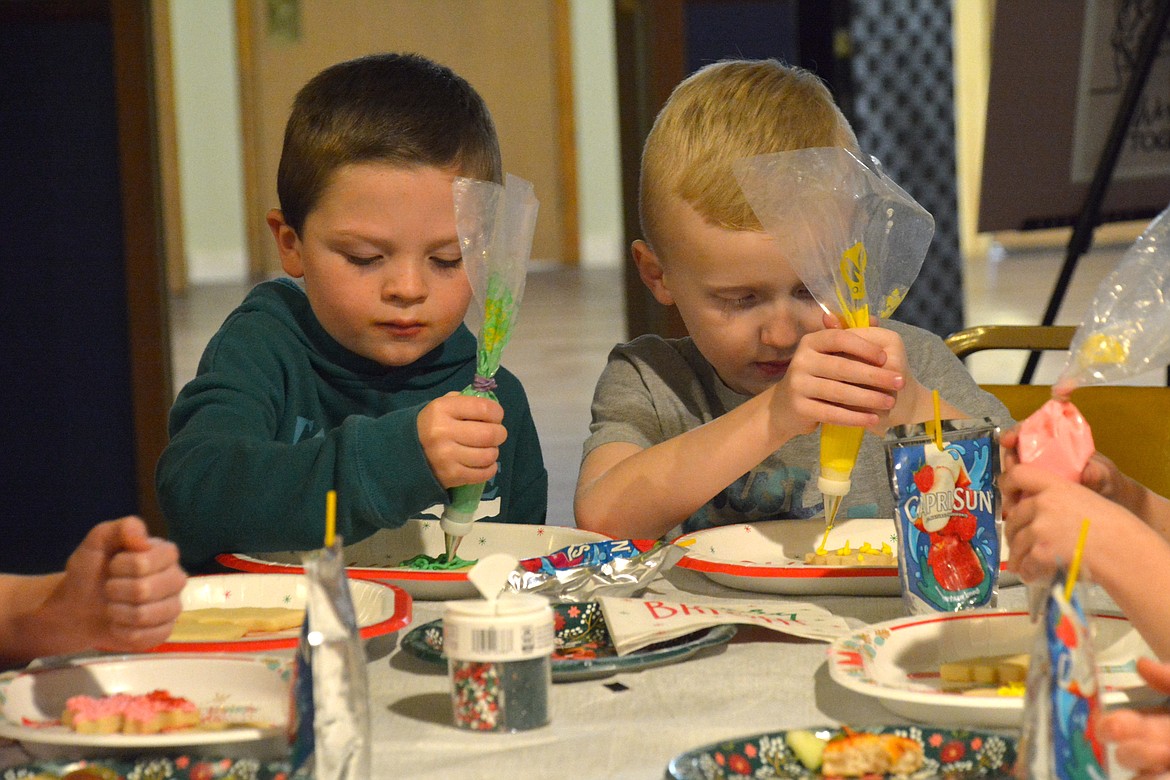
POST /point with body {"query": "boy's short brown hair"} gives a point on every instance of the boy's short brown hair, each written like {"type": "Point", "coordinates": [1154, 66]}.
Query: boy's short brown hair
{"type": "Point", "coordinates": [724, 112]}
{"type": "Point", "coordinates": [401, 109]}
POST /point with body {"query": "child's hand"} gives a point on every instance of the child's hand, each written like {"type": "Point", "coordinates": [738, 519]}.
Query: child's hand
{"type": "Point", "coordinates": [1009, 457]}
{"type": "Point", "coordinates": [1042, 520]}
{"type": "Point", "coordinates": [836, 377]}
{"type": "Point", "coordinates": [1142, 739]}
{"type": "Point", "coordinates": [122, 587]}
{"type": "Point", "coordinates": [461, 437]}
{"type": "Point", "coordinates": [1100, 475]}
{"type": "Point", "coordinates": [913, 403]}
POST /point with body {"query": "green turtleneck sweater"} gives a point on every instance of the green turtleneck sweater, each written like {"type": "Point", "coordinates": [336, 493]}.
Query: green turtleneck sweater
{"type": "Point", "coordinates": [279, 413]}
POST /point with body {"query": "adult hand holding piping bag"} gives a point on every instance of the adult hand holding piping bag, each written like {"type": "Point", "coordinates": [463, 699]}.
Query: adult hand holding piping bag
{"type": "Point", "coordinates": [495, 225]}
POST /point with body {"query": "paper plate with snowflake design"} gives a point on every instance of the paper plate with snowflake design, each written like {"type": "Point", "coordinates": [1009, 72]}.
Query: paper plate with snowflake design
{"type": "Point", "coordinates": [382, 555]}
{"type": "Point", "coordinates": [897, 663]}
{"type": "Point", "coordinates": [381, 609]}
{"type": "Point", "coordinates": [946, 752]}
{"type": "Point", "coordinates": [243, 701]}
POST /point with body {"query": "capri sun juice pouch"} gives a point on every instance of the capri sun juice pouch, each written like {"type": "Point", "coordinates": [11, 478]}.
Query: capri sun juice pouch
{"type": "Point", "coordinates": [1062, 703]}
{"type": "Point", "coordinates": [946, 512]}
{"type": "Point", "coordinates": [330, 719]}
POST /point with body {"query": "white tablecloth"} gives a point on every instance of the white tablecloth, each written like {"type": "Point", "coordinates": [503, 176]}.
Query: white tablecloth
{"type": "Point", "coordinates": [762, 681]}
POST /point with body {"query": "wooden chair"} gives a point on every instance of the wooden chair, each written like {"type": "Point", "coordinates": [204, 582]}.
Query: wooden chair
{"type": "Point", "coordinates": [1131, 425]}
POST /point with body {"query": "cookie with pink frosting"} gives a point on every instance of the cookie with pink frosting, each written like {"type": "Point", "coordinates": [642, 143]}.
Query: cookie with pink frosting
{"type": "Point", "coordinates": [121, 713]}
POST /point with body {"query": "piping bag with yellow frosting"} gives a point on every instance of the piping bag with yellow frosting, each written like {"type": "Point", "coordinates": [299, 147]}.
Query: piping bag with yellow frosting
{"type": "Point", "coordinates": [856, 240]}
{"type": "Point", "coordinates": [495, 225]}
{"type": "Point", "coordinates": [1125, 332]}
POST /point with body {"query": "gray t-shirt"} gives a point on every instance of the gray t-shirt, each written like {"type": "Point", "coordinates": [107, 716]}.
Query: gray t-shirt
{"type": "Point", "coordinates": [654, 389]}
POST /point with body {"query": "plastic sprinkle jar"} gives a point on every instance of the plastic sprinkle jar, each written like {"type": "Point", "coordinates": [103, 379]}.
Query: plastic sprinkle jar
{"type": "Point", "coordinates": [499, 661]}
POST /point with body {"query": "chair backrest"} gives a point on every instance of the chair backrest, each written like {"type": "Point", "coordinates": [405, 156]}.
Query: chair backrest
{"type": "Point", "coordinates": [1131, 425]}
{"type": "Point", "coordinates": [1030, 337]}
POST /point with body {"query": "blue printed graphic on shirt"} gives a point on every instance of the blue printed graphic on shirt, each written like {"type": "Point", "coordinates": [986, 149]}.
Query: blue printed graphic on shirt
{"type": "Point", "coordinates": [307, 429]}
{"type": "Point", "coordinates": [768, 494]}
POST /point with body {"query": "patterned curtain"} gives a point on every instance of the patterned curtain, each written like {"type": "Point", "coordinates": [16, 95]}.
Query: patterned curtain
{"type": "Point", "coordinates": [903, 112]}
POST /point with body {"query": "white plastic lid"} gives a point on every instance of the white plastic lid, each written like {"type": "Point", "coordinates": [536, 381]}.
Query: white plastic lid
{"type": "Point", "coordinates": [834, 487]}
{"type": "Point", "coordinates": [456, 523]}
{"type": "Point", "coordinates": [514, 627]}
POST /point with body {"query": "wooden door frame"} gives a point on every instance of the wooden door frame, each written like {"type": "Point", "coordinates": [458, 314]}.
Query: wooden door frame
{"type": "Point", "coordinates": [171, 202]}
{"type": "Point", "coordinates": [146, 300]}
{"type": "Point", "coordinates": [255, 229]}
{"type": "Point", "coordinates": [257, 232]}
{"type": "Point", "coordinates": [651, 54]}
{"type": "Point", "coordinates": [566, 131]}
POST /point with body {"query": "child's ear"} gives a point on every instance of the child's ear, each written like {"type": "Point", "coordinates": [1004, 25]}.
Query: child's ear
{"type": "Point", "coordinates": [287, 243]}
{"type": "Point", "coordinates": [650, 269]}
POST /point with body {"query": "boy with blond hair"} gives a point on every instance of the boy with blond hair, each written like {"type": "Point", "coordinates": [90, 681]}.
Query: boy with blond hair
{"type": "Point", "coordinates": [352, 382]}
{"type": "Point", "coordinates": [719, 427]}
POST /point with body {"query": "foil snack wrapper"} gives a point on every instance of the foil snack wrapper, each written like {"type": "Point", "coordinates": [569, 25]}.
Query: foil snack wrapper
{"type": "Point", "coordinates": [947, 515]}
{"type": "Point", "coordinates": [330, 718]}
{"type": "Point", "coordinates": [1062, 704]}
{"type": "Point", "coordinates": [620, 567]}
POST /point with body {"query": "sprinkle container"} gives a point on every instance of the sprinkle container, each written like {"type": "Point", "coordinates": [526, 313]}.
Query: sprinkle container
{"type": "Point", "coordinates": [499, 661]}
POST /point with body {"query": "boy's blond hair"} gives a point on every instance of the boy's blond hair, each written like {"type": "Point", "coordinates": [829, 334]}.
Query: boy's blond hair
{"type": "Point", "coordinates": [724, 112]}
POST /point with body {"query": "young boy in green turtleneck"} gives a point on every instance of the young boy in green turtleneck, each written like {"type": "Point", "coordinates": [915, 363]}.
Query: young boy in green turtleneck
{"type": "Point", "coordinates": [351, 381]}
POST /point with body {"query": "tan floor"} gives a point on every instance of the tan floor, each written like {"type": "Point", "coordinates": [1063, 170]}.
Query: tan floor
{"type": "Point", "coordinates": [570, 318]}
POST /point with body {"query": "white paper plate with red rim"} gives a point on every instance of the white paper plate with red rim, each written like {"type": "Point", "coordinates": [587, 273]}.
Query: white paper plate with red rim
{"type": "Point", "coordinates": [380, 607]}
{"type": "Point", "coordinates": [897, 662]}
{"type": "Point", "coordinates": [252, 691]}
{"type": "Point", "coordinates": [768, 557]}
{"type": "Point", "coordinates": [380, 556]}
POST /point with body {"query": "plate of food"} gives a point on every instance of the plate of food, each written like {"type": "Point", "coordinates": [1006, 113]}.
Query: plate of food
{"type": "Point", "coordinates": [859, 557]}
{"type": "Point", "coordinates": [413, 556]}
{"type": "Point", "coordinates": [220, 704]}
{"type": "Point", "coordinates": [263, 612]}
{"type": "Point", "coordinates": [829, 751]}
{"type": "Point", "coordinates": [968, 668]}
{"type": "Point", "coordinates": [171, 767]}
{"type": "Point", "coordinates": [583, 646]}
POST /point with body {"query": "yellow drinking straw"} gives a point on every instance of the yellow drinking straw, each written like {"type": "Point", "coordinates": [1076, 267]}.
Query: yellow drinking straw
{"type": "Point", "coordinates": [938, 440]}
{"type": "Point", "coordinates": [1075, 567]}
{"type": "Point", "coordinates": [330, 517]}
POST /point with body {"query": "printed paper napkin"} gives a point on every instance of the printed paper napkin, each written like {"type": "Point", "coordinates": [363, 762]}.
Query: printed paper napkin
{"type": "Point", "coordinates": [636, 623]}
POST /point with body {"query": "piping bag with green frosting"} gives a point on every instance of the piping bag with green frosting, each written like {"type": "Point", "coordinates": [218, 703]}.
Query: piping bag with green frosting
{"type": "Point", "coordinates": [495, 224]}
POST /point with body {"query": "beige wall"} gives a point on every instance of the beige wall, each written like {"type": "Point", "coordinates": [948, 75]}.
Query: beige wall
{"type": "Point", "coordinates": [504, 48]}
{"type": "Point", "coordinates": [973, 23]}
